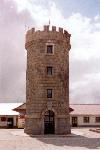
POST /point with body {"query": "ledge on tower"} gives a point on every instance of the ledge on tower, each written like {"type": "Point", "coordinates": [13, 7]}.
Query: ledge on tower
{"type": "Point", "coordinates": [33, 30]}
{"type": "Point", "coordinates": [46, 28]}
{"type": "Point", "coordinates": [54, 28]}
{"type": "Point", "coordinates": [66, 33]}
{"type": "Point", "coordinates": [60, 30]}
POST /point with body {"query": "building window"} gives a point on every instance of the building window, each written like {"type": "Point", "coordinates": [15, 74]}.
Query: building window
{"type": "Point", "coordinates": [3, 118]}
{"type": "Point", "coordinates": [86, 119]}
{"type": "Point", "coordinates": [97, 119]}
{"type": "Point", "coordinates": [49, 49]}
{"type": "Point", "coordinates": [49, 93]}
{"type": "Point", "coordinates": [49, 70]}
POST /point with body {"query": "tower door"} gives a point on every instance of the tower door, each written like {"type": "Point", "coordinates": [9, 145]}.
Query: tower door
{"type": "Point", "coordinates": [49, 122]}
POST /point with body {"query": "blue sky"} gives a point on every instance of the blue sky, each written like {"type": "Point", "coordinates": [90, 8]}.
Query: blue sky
{"type": "Point", "coordinates": [82, 20]}
{"type": "Point", "coordinates": [89, 8]}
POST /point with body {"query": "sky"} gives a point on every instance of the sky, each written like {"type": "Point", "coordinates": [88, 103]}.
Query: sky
{"type": "Point", "coordinates": [81, 18]}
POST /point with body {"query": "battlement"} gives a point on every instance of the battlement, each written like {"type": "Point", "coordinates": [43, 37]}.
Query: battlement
{"type": "Point", "coordinates": [46, 29]}
{"type": "Point", "coordinates": [52, 34]}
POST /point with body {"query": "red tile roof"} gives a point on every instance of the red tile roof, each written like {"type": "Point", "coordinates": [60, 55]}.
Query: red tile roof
{"type": "Point", "coordinates": [23, 107]}
{"type": "Point", "coordinates": [20, 107]}
{"type": "Point", "coordinates": [85, 109]}
{"type": "Point", "coordinates": [75, 109]}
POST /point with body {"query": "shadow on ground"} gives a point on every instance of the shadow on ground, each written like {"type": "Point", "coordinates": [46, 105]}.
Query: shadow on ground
{"type": "Point", "coordinates": [78, 141]}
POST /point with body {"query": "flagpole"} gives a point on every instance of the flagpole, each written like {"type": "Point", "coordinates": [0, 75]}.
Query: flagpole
{"type": "Point", "coordinates": [49, 22]}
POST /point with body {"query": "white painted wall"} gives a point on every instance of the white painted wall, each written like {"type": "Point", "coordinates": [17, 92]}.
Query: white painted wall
{"type": "Point", "coordinates": [15, 120]}
{"type": "Point", "coordinates": [80, 120]}
{"type": "Point", "coordinates": [4, 123]}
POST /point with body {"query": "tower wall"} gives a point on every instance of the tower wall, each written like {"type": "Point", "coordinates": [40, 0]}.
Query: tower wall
{"type": "Point", "coordinates": [37, 80]}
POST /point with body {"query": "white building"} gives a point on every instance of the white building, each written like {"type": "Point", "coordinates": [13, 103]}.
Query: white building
{"type": "Point", "coordinates": [13, 115]}
{"type": "Point", "coordinates": [85, 115]}
{"type": "Point", "coordinates": [8, 117]}
{"type": "Point", "coordinates": [82, 114]}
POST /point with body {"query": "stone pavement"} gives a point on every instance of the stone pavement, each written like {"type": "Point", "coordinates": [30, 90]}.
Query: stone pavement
{"type": "Point", "coordinates": [81, 139]}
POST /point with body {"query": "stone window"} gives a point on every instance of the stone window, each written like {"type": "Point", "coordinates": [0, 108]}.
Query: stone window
{"type": "Point", "coordinates": [49, 49]}
{"type": "Point", "coordinates": [49, 93]}
{"type": "Point", "coordinates": [49, 70]}
{"type": "Point", "coordinates": [86, 119]}
{"type": "Point", "coordinates": [97, 119]}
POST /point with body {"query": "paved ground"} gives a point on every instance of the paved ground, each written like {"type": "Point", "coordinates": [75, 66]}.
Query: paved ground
{"type": "Point", "coordinates": [81, 139]}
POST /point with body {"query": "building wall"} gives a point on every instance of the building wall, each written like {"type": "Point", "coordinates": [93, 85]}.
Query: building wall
{"type": "Point", "coordinates": [15, 120]}
{"type": "Point", "coordinates": [5, 123]}
{"type": "Point", "coordinates": [92, 121]}
{"type": "Point", "coordinates": [38, 81]}
{"type": "Point", "coordinates": [21, 122]}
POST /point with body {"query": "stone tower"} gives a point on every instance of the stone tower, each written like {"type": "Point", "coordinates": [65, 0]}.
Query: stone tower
{"type": "Point", "coordinates": [47, 81]}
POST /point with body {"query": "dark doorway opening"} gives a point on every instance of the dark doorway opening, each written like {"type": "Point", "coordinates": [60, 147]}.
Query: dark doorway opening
{"type": "Point", "coordinates": [74, 122]}
{"type": "Point", "coordinates": [10, 122]}
{"type": "Point", "coordinates": [49, 122]}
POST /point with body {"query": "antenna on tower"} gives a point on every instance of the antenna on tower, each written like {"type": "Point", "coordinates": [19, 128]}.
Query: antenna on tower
{"type": "Point", "coordinates": [49, 22]}
{"type": "Point", "coordinates": [25, 27]}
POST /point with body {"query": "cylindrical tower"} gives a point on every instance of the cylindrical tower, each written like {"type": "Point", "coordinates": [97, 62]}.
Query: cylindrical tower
{"type": "Point", "coordinates": [47, 81]}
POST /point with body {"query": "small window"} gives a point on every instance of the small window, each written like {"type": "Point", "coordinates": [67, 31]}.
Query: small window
{"type": "Point", "coordinates": [3, 118]}
{"type": "Point", "coordinates": [86, 119]}
{"type": "Point", "coordinates": [50, 49]}
{"type": "Point", "coordinates": [97, 119]}
{"type": "Point", "coordinates": [49, 93]}
{"type": "Point", "coordinates": [49, 70]}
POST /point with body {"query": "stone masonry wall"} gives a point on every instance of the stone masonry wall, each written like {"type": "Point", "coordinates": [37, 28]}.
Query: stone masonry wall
{"type": "Point", "coordinates": [37, 80]}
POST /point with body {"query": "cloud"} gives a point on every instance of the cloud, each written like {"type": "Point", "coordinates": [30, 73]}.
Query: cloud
{"type": "Point", "coordinates": [86, 91]}
{"type": "Point", "coordinates": [84, 55]}
{"type": "Point", "coordinates": [12, 52]}
{"type": "Point", "coordinates": [84, 60]}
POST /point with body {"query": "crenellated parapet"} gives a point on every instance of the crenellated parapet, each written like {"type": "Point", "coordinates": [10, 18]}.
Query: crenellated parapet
{"type": "Point", "coordinates": [47, 34]}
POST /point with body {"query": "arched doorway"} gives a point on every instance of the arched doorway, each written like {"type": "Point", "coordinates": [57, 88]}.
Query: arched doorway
{"type": "Point", "coordinates": [49, 122]}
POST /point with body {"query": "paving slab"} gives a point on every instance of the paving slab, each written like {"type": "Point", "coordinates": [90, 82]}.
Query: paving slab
{"type": "Point", "coordinates": [80, 139]}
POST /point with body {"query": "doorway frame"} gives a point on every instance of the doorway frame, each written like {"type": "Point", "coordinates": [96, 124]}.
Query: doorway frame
{"type": "Point", "coordinates": [42, 120]}
{"type": "Point", "coordinates": [12, 121]}
{"type": "Point", "coordinates": [49, 122]}
{"type": "Point", "coordinates": [74, 119]}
